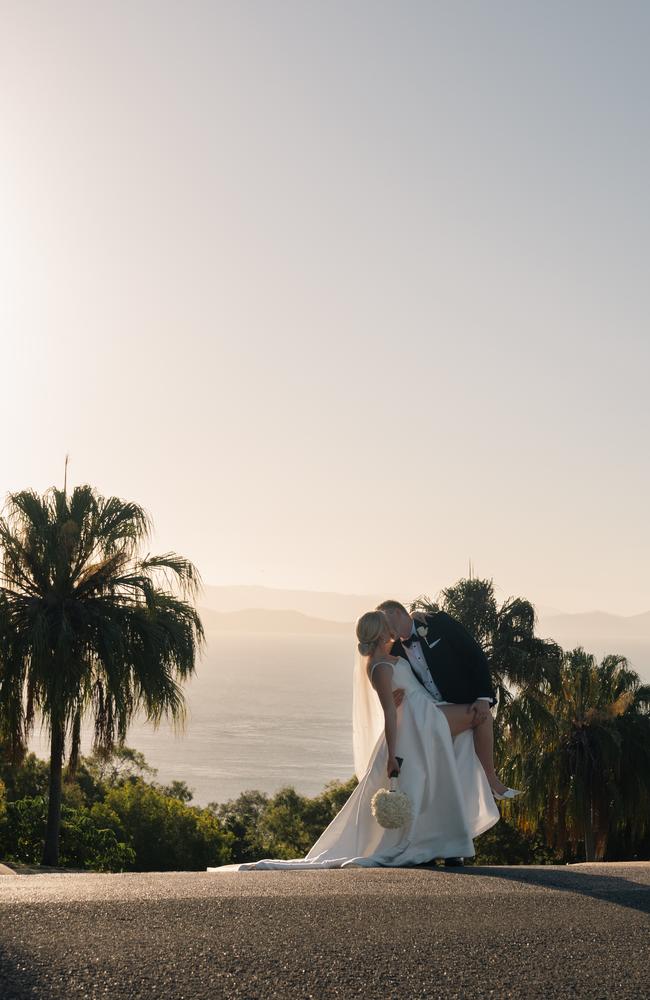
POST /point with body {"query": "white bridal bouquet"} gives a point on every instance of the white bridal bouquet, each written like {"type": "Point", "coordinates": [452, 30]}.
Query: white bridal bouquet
{"type": "Point", "coordinates": [390, 807]}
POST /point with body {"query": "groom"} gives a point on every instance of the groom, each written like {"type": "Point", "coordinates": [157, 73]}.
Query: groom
{"type": "Point", "coordinates": [453, 668]}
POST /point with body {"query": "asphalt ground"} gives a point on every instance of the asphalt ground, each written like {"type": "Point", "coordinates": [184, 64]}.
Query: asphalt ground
{"type": "Point", "coordinates": [581, 931]}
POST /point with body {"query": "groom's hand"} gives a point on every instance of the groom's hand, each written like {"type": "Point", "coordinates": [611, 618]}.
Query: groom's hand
{"type": "Point", "coordinates": [398, 696]}
{"type": "Point", "coordinates": [480, 709]}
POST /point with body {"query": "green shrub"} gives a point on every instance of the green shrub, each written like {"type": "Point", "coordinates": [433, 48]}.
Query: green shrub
{"type": "Point", "coordinates": [112, 819]}
{"type": "Point", "coordinates": [85, 844]}
{"type": "Point", "coordinates": [23, 829]}
{"type": "Point", "coordinates": [284, 825]}
{"type": "Point", "coordinates": [504, 844]}
{"type": "Point", "coordinates": [164, 832]}
{"type": "Point", "coordinates": [28, 780]}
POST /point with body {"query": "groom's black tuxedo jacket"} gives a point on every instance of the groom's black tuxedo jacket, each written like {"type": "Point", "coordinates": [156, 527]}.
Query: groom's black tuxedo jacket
{"type": "Point", "coordinates": [457, 664]}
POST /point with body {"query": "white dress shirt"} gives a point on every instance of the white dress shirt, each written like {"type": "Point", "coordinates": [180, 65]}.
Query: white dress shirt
{"type": "Point", "coordinates": [420, 666]}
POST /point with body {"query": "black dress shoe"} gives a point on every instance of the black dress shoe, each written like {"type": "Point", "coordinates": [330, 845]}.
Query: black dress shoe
{"type": "Point", "coordinates": [454, 862]}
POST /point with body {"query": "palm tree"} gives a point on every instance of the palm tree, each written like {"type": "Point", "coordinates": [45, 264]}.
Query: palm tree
{"type": "Point", "coordinates": [88, 627]}
{"type": "Point", "coordinates": [520, 661]}
{"type": "Point", "coordinates": [585, 759]}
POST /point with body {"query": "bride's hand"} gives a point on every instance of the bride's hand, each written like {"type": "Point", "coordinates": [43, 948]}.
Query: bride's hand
{"type": "Point", "coordinates": [392, 766]}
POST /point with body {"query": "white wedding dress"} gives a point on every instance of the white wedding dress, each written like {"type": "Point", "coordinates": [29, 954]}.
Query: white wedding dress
{"type": "Point", "coordinates": [444, 779]}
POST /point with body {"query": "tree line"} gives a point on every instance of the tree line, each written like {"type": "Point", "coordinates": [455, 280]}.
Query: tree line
{"type": "Point", "coordinates": [90, 628]}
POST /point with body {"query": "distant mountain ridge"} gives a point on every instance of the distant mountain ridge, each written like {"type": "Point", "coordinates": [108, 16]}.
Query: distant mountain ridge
{"type": "Point", "coordinates": [285, 622]}
{"type": "Point", "coordinates": [597, 623]}
{"type": "Point", "coordinates": [345, 608]}
{"type": "Point", "coordinates": [316, 604]}
{"type": "Point", "coordinates": [578, 629]}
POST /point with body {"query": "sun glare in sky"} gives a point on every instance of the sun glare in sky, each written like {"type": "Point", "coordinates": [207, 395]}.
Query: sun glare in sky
{"type": "Point", "coordinates": [344, 294]}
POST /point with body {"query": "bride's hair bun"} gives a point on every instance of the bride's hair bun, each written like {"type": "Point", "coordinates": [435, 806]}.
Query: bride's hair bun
{"type": "Point", "coordinates": [369, 627]}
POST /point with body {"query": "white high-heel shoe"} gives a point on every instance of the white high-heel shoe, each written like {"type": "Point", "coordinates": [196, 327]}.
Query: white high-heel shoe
{"type": "Point", "coordinates": [510, 793]}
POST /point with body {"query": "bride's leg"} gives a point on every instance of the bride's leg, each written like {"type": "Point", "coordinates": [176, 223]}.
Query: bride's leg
{"type": "Point", "coordinates": [460, 720]}
{"type": "Point", "coordinates": [458, 717]}
{"type": "Point", "coordinates": [484, 746]}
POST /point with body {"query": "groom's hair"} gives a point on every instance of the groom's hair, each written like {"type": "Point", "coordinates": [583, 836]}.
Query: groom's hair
{"type": "Point", "coordinates": [391, 606]}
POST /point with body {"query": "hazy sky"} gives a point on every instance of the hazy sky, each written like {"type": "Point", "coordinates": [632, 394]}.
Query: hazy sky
{"type": "Point", "coordinates": [345, 293]}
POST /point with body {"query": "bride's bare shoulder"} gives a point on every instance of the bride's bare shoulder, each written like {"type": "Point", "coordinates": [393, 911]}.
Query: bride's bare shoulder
{"type": "Point", "coordinates": [388, 661]}
{"type": "Point", "coordinates": [386, 658]}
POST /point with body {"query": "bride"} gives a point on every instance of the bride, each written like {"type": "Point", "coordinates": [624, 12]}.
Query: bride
{"type": "Point", "coordinates": [451, 798]}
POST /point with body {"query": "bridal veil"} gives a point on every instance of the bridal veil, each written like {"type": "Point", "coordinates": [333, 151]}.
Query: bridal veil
{"type": "Point", "coordinates": [367, 716]}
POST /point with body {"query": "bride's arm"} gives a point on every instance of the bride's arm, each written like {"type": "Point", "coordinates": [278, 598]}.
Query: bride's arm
{"type": "Point", "coordinates": [382, 681]}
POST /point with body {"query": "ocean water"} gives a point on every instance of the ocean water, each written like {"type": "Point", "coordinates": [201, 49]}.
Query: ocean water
{"type": "Point", "coordinates": [264, 711]}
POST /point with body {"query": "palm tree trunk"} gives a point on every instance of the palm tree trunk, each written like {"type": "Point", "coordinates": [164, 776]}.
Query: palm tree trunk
{"type": "Point", "coordinates": [51, 848]}
{"type": "Point", "coordinates": [590, 847]}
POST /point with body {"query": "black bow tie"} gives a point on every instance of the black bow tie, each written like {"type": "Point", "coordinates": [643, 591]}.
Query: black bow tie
{"type": "Point", "coordinates": [409, 642]}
